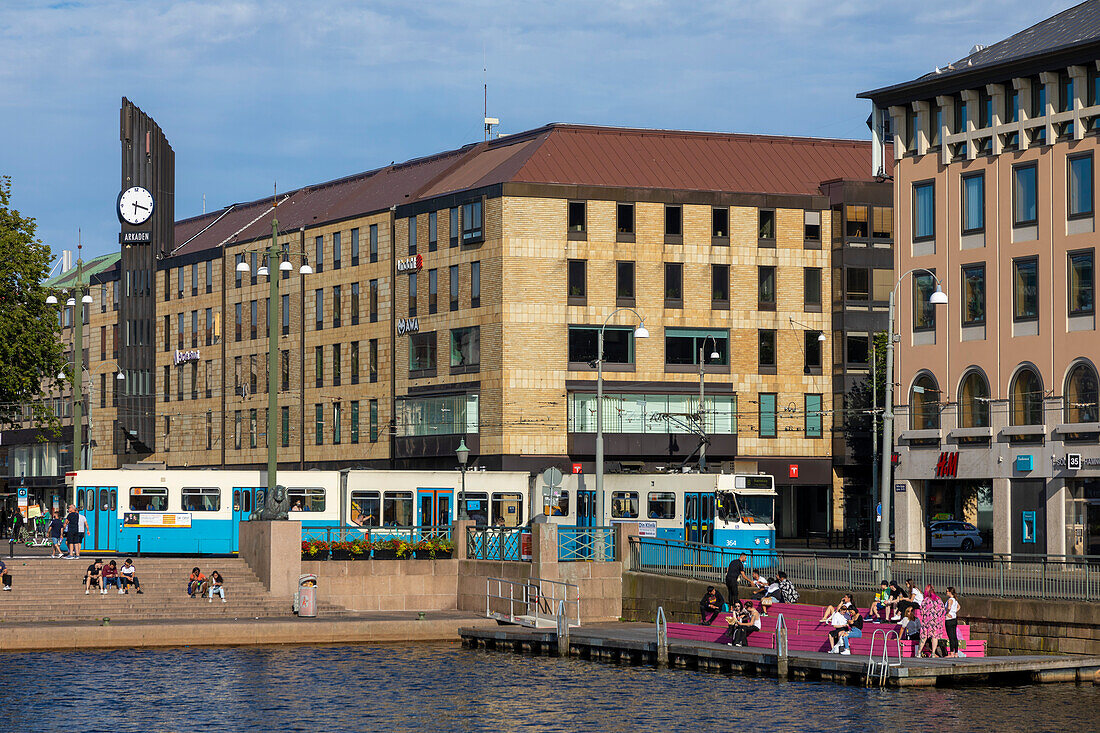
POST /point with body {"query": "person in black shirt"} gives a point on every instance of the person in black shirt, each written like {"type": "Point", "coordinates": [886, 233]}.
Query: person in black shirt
{"type": "Point", "coordinates": [710, 605]}
{"type": "Point", "coordinates": [734, 573]}
{"type": "Point", "coordinates": [57, 526]}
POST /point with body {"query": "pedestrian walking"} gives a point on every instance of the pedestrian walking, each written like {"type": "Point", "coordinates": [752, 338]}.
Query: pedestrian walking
{"type": "Point", "coordinates": [5, 576]}
{"type": "Point", "coordinates": [57, 527]}
{"type": "Point", "coordinates": [72, 532]}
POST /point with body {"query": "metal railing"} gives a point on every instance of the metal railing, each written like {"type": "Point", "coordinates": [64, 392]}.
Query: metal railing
{"type": "Point", "coordinates": [533, 602]}
{"type": "Point", "coordinates": [586, 544]}
{"type": "Point", "coordinates": [1056, 577]}
{"type": "Point", "coordinates": [355, 533]}
{"type": "Point", "coordinates": [495, 543]}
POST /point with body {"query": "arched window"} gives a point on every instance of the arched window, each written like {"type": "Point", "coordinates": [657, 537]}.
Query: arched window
{"type": "Point", "coordinates": [974, 401]}
{"type": "Point", "coordinates": [1081, 394]}
{"type": "Point", "coordinates": [1027, 398]}
{"type": "Point", "coordinates": [924, 404]}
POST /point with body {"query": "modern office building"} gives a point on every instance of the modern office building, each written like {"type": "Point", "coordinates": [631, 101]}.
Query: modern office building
{"type": "Point", "coordinates": [997, 412]}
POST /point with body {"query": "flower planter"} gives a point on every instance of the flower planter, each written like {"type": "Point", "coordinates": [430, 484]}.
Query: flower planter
{"type": "Point", "coordinates": [319, 555]}
{"type": "Point", "coordinates": [385, 554]}
{"type": "Point", "coordinates": [439, 555]}
{"type": "Point", "coordinates": [341, 555]}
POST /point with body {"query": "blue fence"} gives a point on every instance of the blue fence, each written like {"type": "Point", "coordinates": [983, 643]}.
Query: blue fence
{"type": "Point", "coordinates": [495, 543]}
{"type": "Point", "coordinates": [586, 544]}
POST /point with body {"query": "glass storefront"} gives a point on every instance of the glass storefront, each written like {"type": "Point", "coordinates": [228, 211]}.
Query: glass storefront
{"type": "Point", "coordinates": [1083, 517]}
{"type": "Point", "coordinates": [959, 501]}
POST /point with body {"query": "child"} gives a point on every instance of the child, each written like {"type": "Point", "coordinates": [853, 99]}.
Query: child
{"type": "Point", "coordinates": [217, 585]}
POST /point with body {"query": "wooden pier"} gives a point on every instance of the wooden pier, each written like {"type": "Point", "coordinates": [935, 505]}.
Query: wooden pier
{"type": "Point", "coordinates": [636, 643]}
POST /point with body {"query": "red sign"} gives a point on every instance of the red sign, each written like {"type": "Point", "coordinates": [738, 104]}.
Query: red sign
{"type": "Point", "coordinates": [576, 468]}
{"type": "Point", "coordinates": [948, 465]}
{"type": "Point", "coordinates": [792, 470]}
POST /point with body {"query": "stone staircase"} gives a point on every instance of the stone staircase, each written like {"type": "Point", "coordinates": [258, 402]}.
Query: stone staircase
{"type": "Point", "coordinates": [49, 590]}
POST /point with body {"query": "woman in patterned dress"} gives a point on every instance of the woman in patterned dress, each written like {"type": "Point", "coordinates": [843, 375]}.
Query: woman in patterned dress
{"type": "Point", "coordinates": [932, 613]}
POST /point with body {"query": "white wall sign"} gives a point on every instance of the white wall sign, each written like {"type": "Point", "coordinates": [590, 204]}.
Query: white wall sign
{"type": "Point", "coordinates": [410, 264]}
{"type": "Point", "coordinates": [407, 325]}
{"type": "Point", "coordinates": [182, 357]}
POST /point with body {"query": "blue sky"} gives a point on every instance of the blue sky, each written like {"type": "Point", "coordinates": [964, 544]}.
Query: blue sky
{"type": "Point", "coordinates": [250, 92]}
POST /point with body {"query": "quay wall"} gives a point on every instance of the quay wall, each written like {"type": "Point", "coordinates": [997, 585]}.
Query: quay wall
{"type": "Point", "coordinates": [387, 585]}
{"type": "Point", "coordinates": [1008, 626]}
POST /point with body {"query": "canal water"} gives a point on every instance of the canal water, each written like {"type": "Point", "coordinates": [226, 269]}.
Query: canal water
{"type": "Point", "coordinates": [439, 688]}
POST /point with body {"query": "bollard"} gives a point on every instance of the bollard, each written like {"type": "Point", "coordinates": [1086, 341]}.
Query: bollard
{"type": "Point", "coordinates": [420, 616]}
{"type": "Point", "coordinates": [563, 631]}
{"type": "Point", "coordinates": [782, 664]}
{"type": "Point", "coordinates": [106, 621]}
{"type": "Point", "coordinates": [662, 638]}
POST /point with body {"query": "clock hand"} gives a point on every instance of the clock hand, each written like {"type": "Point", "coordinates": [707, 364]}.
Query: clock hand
{"type": "Point", "coordinates": [139, 206]}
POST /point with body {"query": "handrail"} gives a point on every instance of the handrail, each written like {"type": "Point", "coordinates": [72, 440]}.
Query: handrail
{"type": "Point", "coordinates": [536, 599]}
{"type": "Point", "coordinates": [495, 543]}
{"type": "Point", "coordinates": [882, 667]}
{"type": "Point", "coordinates": [355, 532]}
{"type": "Point", "coordinates": [781, 632]}
{"type": "Point", "coordinates": [586, 544]}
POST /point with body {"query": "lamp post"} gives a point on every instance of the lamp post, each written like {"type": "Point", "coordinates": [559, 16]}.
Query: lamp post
{"type": "Point", "coordinates": [714, 356]}
{"type": "Point", "coordinates": [78, 298]}
{"type": "Point", "coordinates": [463, 455]}
{"type": "Point", "coordinates": [640, 332]}
{"type": "Point", "coordinates": [938, 297]}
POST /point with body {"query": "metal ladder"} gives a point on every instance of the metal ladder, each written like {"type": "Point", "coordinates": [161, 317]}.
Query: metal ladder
{"type": "Point", "coordinates": [882, 666]}
{"type": "Point", "coordinates": [781, 661]}
{"type": "Point", "coordinates": [662, 637]}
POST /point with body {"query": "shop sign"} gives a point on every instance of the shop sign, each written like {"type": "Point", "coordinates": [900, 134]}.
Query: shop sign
{"type": "Point", "coordinates": [792, 470]}
{"type": "Point", "coordinates": [135, 237]}
{"type": "Point", "coordinates": [408, 325]}
{"type": "Point", "coordinates": [410, 264]}
{"type": "Point", "coordinates": [576, 468]}
{"type": "Point", "coordinates": [1073, 461]}
{"type": "Point", "coordinates": [1025, 463]}
{"type": "Point", "coordinates": [948, 465]}
{"type": "Point", "coordinates": [182, 357]}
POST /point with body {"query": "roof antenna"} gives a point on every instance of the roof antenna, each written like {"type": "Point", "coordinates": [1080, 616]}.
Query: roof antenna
{"type": "Point", "coordinates": [489, 121]}
{"type": "Point", "coordinates": [204, 203]}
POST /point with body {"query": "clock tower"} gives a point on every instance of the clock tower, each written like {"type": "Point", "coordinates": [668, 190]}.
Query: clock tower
{"type": "Point", "coordinates": [146, 212]}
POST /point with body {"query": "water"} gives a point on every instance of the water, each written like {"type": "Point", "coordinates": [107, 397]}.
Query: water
{"type": "Point", "coordinates": [438, 688]}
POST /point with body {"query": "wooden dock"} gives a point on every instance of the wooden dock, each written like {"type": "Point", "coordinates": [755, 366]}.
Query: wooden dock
{"type": "Point", "coordinates": [636, 643]}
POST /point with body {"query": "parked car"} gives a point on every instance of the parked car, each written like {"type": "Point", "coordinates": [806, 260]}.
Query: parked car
{"type": "Point", "coordinates": [954, 536]}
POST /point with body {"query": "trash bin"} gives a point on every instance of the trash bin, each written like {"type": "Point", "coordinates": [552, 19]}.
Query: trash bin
{"type": "Point", "coordinates": [305, 598]}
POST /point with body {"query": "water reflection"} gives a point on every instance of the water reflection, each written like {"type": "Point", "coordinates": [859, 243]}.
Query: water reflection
{"type": "Point", "coordinates": [440, 688]}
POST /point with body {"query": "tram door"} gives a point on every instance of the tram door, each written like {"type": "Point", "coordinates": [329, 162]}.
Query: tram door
{"type": "Point", "coordinates": [434, 507]}
{"type": "Point", "coordinates": [102, 514]}
{"type": "Point", "coordinates": [586, 508]}
{"type": "Point", "coordinates": [242, 508]}
{"type": "Point", "coordinates": [699, 517]}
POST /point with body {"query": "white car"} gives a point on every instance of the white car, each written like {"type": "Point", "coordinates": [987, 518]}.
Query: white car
{"type": "Point", "coordinates": [954, 536]}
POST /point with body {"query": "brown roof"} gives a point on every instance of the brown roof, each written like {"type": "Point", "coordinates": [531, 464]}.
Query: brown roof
{"type": "Point", "coordinates": [555, 154]}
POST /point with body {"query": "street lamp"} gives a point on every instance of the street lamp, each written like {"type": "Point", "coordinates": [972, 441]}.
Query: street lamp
{"type": "Point", "coordinates": [938, 297]}
{"type": "Point", "coordinates": [714, 356]}
{"type": "Point", "coordinates": [640, 332]}
{"type": "Point", "coordinates": [463, 454]}
{"type": "Point", "coordinates": [79, 287]}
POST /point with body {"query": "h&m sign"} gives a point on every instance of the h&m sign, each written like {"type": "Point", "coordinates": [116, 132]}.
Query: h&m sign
{"type": "Point", "coordinates": [407, 325]}
{"type": "Point", "coordinates": [948, 465]}
{"type": "Point", "coordinates": [410, 264]}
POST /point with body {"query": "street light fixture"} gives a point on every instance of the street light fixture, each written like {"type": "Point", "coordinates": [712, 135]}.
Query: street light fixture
{"type": "Point", "coordinates": [463, 455]}
{"type": "Point", "coordinates": [640, 332]}
{"type": "Point", "coordinates": [79, 287]}
{"type": "Point", "coordinates": [714, 356]}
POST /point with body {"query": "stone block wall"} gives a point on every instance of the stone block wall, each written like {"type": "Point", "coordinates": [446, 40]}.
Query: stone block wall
{"type": "Point", "coordinates": [387, 585]}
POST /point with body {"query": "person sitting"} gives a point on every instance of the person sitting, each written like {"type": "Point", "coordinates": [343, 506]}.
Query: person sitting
{"type": "Point", "coordinates": [217, 585]}
{"type": "Point", "coordinates": [759, 584]}
{"type": "Point", "coordinates": [909, 625]}
{"type": "Point", "coordinates": [748, 623]}
{"type": "Point", "coordinates": [854, 630]}
{"type": "Point", "coordinates": [838, 621]}
{"type": "Point", "coordinates": [790, 595]}
{"type": "Point", "coordinates": [195, 583]}
{"type": "Point", "coordinates": [109, 576]}
{"type": "Point", "coordinates": [5, 576]}
{"type": "Point", "coordinates": [845, 602]}
{"type": "Point", "coordinates": [913, 598]}
{"type": "Point", "coordinates": [897, 593]}
{"type": "Point", "coordinates": [771, 595]}
{"type": "Point", "coordinates": [710, 605]}
{"type": "Point", "coordinates": [880, 605]}
{"type": "Point", "coordinates": [128, 575]}
{"type": "Point", "coordinates": [92, 576]}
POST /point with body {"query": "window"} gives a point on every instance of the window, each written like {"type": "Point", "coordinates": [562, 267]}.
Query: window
{"type": "Point", "coordinates": [856, 223]}
{"type": "Point", "coordinates": [373, 301]}
{"type": "Point", "coordinates": [412, 294]}
{"type": "Point", "coordinates": [355, 304]}
{"type": "Point", "coordinates": [661, 505]}
{"type": "Point", "coordinates": [284, 370]}
{"type": "Point", "coordinates": [319, 424]}
{"type": "Point", "coordinates": [624, 221]}
{"type": "Point", "coordinates": [811, 226]}
{"type": "Point", "coordinates": [973, 204]}
{"type": "Point", "coordinates": [973, 302]}
{"type": "Point", "coordinates": [285, 315]}
{"type": "Point", "coordinates": [238, 310]}
{"type": "Point", "coordinates": [811, 287]}
{"type": "Point", "coordinates": [319, 365]}
{"type": "Point", "coordinates": [337, 365]}
{"type": "Point", "coordinates": [578, 284]}
{"type": "Point", "coordinates": [624, 281]}
{"type": "Point", "coordinates": [624, 504]}
{"type": "Point", "coordinates": [412, 235]}
{"type": "Point", "coordinates": [674, 285]}
{"type": "Point", "coordinates": [858, 348]}
{"type": "Point", "coordinates": [1080, 186]}
{"type": "Point", "coordinates": [195, 279]}
{"type": "Point", "coordinates": [1082, 403]}
{"type": "Point", "coordinates": [355, 246]}
{"type": "Point", "coordinates": [209, 336]}
{"type": "Point", "coordinates": [373, 357]}
{"type": "Point", "coordinates": [167, 334]}
{"type": "Point", "coordinates": [336, 250]}
{"type": "Point", "coordinates": [453, 229]}
{"type": "Point", "coordinates": [319, 308]}
{"type": "Point", "coordinates": [924, 212]}
{"type": "Point", "coordinates": [252, 428]}
{"type": "Point", "coordinates": [374, 421]}
{"type": "Point", "coordinates": [924, 406]}
{"type": "Point", "coordinates": [253, 320]}
{"type": "Point", "coordinates": [618, 344]}
{"type": "Point", "coordinates": [433, 232]}
{"type": "Point", "coordinates": [1081, 283]}
{"type": "Point", "coordinates": [766, 288]}
{"type": "Point", "coordinates": [813, 416]}
{"type": "Point", "coordinates": [674, 224]}
{"type": "Point", "coordinates": [366, 508]}
{"type": "Point", "coordinates": [924, 312]}
{"type": "Point", "coordinates": [507, 509]}
{"type": "Point", "coordinates": [767, 414]}
{"type": "Point", "coordinates": [475, 284]}
{"type": "Point", "coordinates": [355, 422]}
{"type": "Point", "coordinates": [374, 243]}
{"type": "Point", "coordinates": [152, 499]}
{"type": "Point", "coordinates": [683, 345]}
{"type": "Point", "coordinates": [179, 282]}
{"type": "Point", "coordinates": [766, 350]}
{"type": "Point", "coordinates": [974, 401]}
{"type": "Point", "coordinates": [397, 509]}
{"type": "Point", "coordinates": [1026, 398]}
{"type": "Point", "coordinates": [466, 348]}
{"type": "Point", "coordinates": [857, 283]}
{"type": "Point", "coordinates": [812, 348]}
{"type": "Point", "coordinates": [1025, 289]}
{"type": "Point", "coordinates": [577, 219]}
{"type": "Point", "coordinates": [319, 247]}
{"type": "Point", "coordinates": [236, 272]}
{"type": "Point", "coordinates": [433, 291]}
{"type": "Point", "coordinates": [720, 222]}
{"type": "Point", "coordinates": [766, 224]}
{"type": "Point", "coordinates": [179, 331]}
{"type": "Point", "coordinates": [471, 222]}
{"type": "Point", "coordinates": [354, 362]}
{"type": "Point", "coordinates": [883, 222]}
{"type": "Point", "coordinates": [337, 420]}
{"type": "Point", "coordinates": [422, 353]}
{"type": "Point", "coordinates": [1024, 205]}
{"type": "Point", "coordinates": [306, 499]}
{"type": "Point", "coordinates": [720, 286]}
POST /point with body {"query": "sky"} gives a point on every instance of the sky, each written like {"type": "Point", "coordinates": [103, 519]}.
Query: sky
{"type": "Point", "coordinates": [254, 93]}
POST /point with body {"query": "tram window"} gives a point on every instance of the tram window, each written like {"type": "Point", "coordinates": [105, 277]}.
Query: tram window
{"type": "Point", "coordinates": [662, 505]}
{"type": "Point", "coordinates": [104, 503]}
{"type": "Point", "coordinates": [114, 500]}
{"type": "Point", "coordinates": [196, 499]}
{"type": "Point", "coordinates": [561, 508]}
{"type": "Point", "coordinates": [477, 508]}
{"type": "Point", "coordinates": [153, 499]}
{"type": "Point", "coordinates": [236, 500]}
{"type": "Point", "coordinates": [307, 499]}
{"type": "Point", "coordinates": [80, 499]}
{"type": "Point", "coordinates": [246, 501]}
{"type": "Point", "coordinates": [756, 508]}
{"type": "Point", "coordinates": [397, 509]}
{"type": "Point", "coordinates": [366, 508]}
{"type": "Point", "coordinates": [624, 504]}
{"type": "Point", "coordinates": [507, 510]}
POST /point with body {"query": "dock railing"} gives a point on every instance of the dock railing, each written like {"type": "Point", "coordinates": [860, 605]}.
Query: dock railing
{"type": "Point", "coordinates": [586, 544]}
{"type": "Point", "coordinates": [536, 602]}
{"type": "Point", "coordinates": [1040, 577]}
{"type": "Point", "coordinates": [495, 543]}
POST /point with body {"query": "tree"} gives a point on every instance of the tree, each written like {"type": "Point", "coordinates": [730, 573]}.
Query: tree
{"type": "Point", "coordinates": [30, 347]}
{"type": "Point", "coordinates": [857, 407]}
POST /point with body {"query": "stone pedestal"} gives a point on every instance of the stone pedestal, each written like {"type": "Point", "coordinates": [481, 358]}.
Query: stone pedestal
{"type": "Point", "coordinates": [273, 551]}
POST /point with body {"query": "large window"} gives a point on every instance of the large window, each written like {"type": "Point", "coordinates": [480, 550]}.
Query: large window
{"type": "Point", "coordinates": [1026, 398]}
{"type": "Point", "coordinates": [661, 505]}
{"type": "Point", "coordinates": [577, 217]}
{"type": "Point", "coordinates": [883, 224]}
{"type": "Point", "coordinates": [366, 508]}
{"type": "Point", "coordinates": [1082, 283]}
{"type": "Point", "coordinates": [443, 415]}
{"type": "Point", "coordinates": [720, 286]}
{"type": "Point", "coordinates": [674, 223]}
{"type": "Point", "coordinates": [857, 283]}
{"type": "Point", "coordinates": [766, 287]}
{"type": "Point", "coordinates": [674, 285]}
{"type": "Point", "coordinates": [397, 509]}
{"type": "Point", "coordinates": [767, 403]}
{"type": "Point", "coordinates": [682, 345]}
{"type": "Point", "coordinates": [624, 280]}
{"type": "Point", "coordinates": [507, 509]}
{"type": "Point", "coordinates": [639, 413]}
{"type": "Point", "coordinates": [813, 416]}
{"type": "Point", "coordinates": [924, 312]}
{"type": "Point", "coordinates": [924, 211]}
{"type": "Point", "coordinates": [618, 344]}
{"type": "Point", "coordinates": [1079, 194]}
{"type": "Point", "coordinates": [855, 221]}
{"type": "Point", "coordinates": [422, 352]}
{"type": "Point", "coordinates": [924, 404]}
{"type": "Point", "coordinates": [624, 219]}
{"type": "Point", "coordinates": [812, 348]}
{"type": "Point", "coordinates": [973, 300]}
{"type": "Point", "coordinates": [471, 222]}
{"type": "Point", "coordinates": [153, 499]}
{"type": "Point", "coordinates": [1025, 289]}
{"type": "Point", "coordinates": [624, 504]}
{"type": "Point", "coordinates": [973, 208]}
{"type": "Point", "coordinates": [767, 224]}
{"type": "Point", "coordinates": [1082, 403]}
{"type": "Point", "coordinates": [811, 287]}
{"type": "Point", "coordinates": [578, 284]}
{"type": "Point", "coordinates": [412, 235]}
{"type": "Point", "coordinates": [1024, 192]}
{"type": "Point", "coordinates": [306, 499]}
{"type": "Point", "coordinates": [766, 351]}
{"type": "Point", "coordinates": [466, 348]}
{"type": "Point", "coordinates": [974, 401]}
{"type": "Point", "coordinates": [200, 499]}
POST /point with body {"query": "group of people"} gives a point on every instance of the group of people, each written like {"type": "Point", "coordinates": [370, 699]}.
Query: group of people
{"type": "Point", "coordinates": [198, 584]}
{"type": "Point", "coordinates": [100, 575]}
{"type": "Point", "coordinates": [742, 618]}
{"type": "Point", "coordinates": [778, 589]}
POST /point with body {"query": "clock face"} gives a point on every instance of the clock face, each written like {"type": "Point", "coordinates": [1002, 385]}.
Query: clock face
{"type": "Point", "coordinates": [135, 206]}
